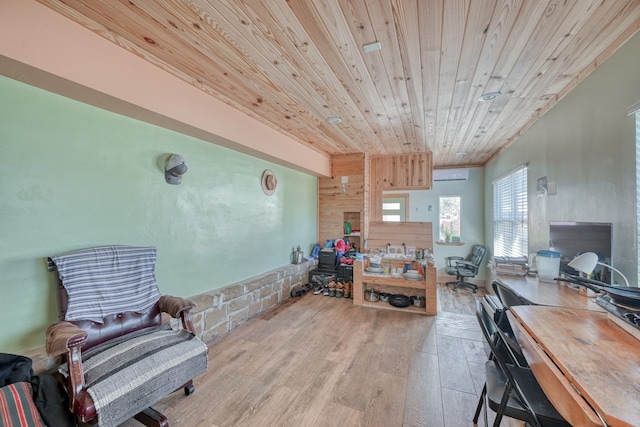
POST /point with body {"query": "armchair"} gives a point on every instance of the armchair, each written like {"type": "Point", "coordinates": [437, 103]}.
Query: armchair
{"type": "Point", "coordinates": [119, 358]}
{"type": "Point", "coordinates": [461, 267]}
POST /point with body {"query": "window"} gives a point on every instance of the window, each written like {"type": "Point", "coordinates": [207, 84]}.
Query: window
{"type": "Point", "coordinates": [449, 218]}
{"type": "Point", "coordinates": [510, 219]}
{"type": "Point", "coordinates": [395, 207]}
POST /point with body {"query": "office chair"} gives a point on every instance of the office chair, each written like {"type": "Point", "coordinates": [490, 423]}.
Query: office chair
{"type": "Point", "coordinates": [469, 267]}
{"type": "Point", "coordinates": [510, 389]}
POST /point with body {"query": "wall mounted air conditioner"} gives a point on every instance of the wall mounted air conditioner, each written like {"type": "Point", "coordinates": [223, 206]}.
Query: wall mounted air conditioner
{"type": "Point", "coordinates": [459, 174]}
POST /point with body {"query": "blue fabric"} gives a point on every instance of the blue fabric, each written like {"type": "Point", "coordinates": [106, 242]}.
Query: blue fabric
{"type": "Point", "coordinates": [107, 280]}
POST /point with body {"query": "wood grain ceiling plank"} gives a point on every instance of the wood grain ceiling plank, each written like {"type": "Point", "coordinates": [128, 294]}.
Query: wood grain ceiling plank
{"type": "Point", "coordinates": [453, 28]}
{"type": "Point", "coordinates": [309, 60]}
{"type": "Point", "coordinates": [504, 16]}
{"type": "Point", "coordinates": [362, 26]}
{"type": "Point", "coordinates": [479, 16]}
{"type": "Point", "coordinates": [386, 23]}
{"type": "Point", "coordinates": [286, 110]}
{"type": "Point", "coordinates": [519, 36]}
{"type": "Point", "coordinates": [331, 33]}
{"type": "Point", "coordinates": [554, 69]}
{"type": "Point", "coordinates": [551, 35]}
{"type": "Point", "coordinates": [599, 33]}
{"type": "Point", "coordinates": [269, 44]}
{"type": "Point", "coordinates": [529, 55]}
{"type": "Point", "coordinates": [430, 36]}
{"type": "Point", "coordinates": [408, 27]}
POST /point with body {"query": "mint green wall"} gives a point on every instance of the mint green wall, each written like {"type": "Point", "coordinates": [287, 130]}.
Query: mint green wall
{"type": "Point", "coordinates": [586, 145]}
{"type": "Point", "coordinates": [75, 176]}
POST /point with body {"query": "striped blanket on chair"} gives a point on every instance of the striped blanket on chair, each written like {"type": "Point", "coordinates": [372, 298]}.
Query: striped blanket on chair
{"type": "Point", "coordinates": [108, 279]}
{"type": "Point", "coordinates": [138, 372]}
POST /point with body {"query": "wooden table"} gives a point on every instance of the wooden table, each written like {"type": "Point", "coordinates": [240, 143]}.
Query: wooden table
{"type": "Point", "coordinates": [557, 294]}
{"type": "Point", "coordinates": [583, 361]}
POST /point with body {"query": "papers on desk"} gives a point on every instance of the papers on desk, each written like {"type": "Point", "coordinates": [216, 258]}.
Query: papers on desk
{"type": "Point", "coordinates": [513, 266]}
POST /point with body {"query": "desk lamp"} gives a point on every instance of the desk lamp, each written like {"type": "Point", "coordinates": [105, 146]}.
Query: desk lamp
{"type": "Point", "coordinates": [586, 263]}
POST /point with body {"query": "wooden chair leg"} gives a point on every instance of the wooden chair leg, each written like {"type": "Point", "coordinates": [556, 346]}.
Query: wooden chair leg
{"type": "Point", "coordinates": [152, 418]}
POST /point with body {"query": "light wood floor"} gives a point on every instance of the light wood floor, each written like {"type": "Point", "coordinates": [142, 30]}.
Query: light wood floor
{"type": "Point", "coordinates": [321, 361]}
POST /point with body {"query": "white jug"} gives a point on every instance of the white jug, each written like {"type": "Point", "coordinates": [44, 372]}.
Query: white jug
{"type": "Point", "coordinates": [548, 265]}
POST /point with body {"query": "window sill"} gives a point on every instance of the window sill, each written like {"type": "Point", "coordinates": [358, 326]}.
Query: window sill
{"type": "Point", "coordinates": [450, 243]}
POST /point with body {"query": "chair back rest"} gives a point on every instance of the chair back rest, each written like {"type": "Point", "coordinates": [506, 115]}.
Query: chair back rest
{"type": "Point", "coordinates": [507, 296]}
{"type": "Point", "coordinates": [108, 291]}
{"type": "Point", "coordinates": [502, 351]}
{"type": "Point", "coordinates": [476, 255]}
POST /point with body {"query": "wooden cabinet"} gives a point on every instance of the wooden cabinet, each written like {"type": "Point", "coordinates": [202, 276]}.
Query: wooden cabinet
{"type": "Point", "coordinates": [386, 283]}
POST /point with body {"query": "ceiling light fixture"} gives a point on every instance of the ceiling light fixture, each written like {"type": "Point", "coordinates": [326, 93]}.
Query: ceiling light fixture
{"type": "Point", "coordinates": [490, 96]}
{"type": "Point", "coordinates": [334, 119]}
{"type": "Point", "coordinates": [372, 47]}
{"type": "Point", "coordinates": [461, 154]}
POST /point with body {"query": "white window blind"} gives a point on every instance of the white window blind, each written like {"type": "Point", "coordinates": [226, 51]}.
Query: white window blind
{"type": "Point", "coordinates": [510, 219]}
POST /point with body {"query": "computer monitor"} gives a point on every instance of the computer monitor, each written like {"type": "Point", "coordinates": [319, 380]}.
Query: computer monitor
{"type": "Point", "coordinates": [572, 238]}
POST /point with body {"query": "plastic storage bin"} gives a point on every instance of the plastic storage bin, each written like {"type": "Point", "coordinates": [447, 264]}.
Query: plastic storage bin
{"type": "Point", "coordinates": [548, 265]}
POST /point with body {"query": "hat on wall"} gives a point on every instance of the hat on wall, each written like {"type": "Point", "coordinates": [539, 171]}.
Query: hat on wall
{"type": "Point", "coordinates": [174, 169]}
{"type": "Point", "coordinates": [269, 182]}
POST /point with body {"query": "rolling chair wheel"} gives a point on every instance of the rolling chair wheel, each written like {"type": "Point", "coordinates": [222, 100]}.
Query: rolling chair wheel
{"type": "Point", "coordinates": [189, 389]}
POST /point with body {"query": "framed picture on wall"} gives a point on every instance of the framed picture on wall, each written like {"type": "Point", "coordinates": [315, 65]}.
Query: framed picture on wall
{"type": "Point", "coordinates": [411, 252]}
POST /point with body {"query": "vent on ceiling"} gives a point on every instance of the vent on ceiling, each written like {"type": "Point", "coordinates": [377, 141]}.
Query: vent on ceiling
{"type": "Point", "coordinates": [451, 174]}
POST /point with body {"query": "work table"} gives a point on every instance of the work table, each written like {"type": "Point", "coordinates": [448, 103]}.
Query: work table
{"type": "Point", "coordinates": [557, 294]}
{"type": "Point", "coordinates": [583, 362]}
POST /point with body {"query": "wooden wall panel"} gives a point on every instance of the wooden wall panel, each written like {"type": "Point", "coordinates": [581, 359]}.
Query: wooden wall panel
{"type": "Point", "coordinates": [407, 172]}
{"type": "Point", "coordinates": [418, 234]}
{"type": "Point", "coordinates": [332, 203]}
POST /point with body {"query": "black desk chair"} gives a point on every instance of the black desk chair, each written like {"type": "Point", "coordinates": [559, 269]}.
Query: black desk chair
{"type": "Point", "coordinates": [469, 267]}
{"type": "Point", "coordinates": [510, 389]}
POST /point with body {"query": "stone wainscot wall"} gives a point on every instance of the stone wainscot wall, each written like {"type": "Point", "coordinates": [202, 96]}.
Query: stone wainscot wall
{"type": "Point", "coordinates": [221, 310]}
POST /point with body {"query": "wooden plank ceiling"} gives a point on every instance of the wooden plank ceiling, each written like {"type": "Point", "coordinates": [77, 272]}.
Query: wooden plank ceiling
{"type": "Point", "coordinates": [293, 63]}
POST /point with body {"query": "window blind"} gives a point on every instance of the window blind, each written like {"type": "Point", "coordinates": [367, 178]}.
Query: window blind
{"type": "Point", "coordinates": [510, 214]}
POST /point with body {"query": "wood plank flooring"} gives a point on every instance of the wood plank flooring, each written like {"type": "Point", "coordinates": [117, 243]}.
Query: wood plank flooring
{"type": "Point", "coordinates": [321, 361]}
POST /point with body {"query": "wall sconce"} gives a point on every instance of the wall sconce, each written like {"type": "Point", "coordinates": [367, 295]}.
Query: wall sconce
{"type": "Point", "coordinates": [344, 180]}
{"type": "Point", "coordinates": [175, 167]}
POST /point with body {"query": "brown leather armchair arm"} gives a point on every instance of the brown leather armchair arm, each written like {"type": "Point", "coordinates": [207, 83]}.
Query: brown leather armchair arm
{"type": "Point", "coordinates": [61, 336]}
{"type": "Point", "coordinates": [65, 337]}
{"type": "Point", "coordinates": [179, 308]}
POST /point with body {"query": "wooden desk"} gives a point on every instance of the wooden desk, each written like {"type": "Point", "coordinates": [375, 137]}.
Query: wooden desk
{"type": "Point", "coordinates": [582, 360]}
{"type": "Point", "coordinates": [549, 293]}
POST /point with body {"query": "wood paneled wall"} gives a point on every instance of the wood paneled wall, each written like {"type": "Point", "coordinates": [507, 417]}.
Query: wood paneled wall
{"type": "Point", "coordinates": [368, 178]}
{"type": "Point", "coordinates": [408, 172]}
{"type": "Point", "coordinates": [418, 234]}
{"type": "Point", "coordinates": [332, 203]}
